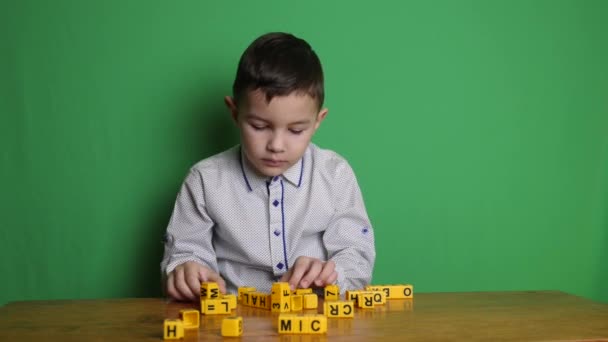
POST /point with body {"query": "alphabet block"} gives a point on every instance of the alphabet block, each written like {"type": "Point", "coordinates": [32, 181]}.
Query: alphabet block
{"type": "Point", "coordinates": [296, 303]}
{"type": "Point", "coordinates": [394, 291]}
{"type": "Point", "coordinates": [215, 307]}
{"type": "Point", "coordinates": [332, 292]}
{"type": "Point", "coordinates": [379, 297]}
{"type": "Point", "coordinates": [339, 309]}
{"type": "Point", "coordinates": [302, 324]}
{"type": "Point", "coordinates": [190, 318]}
{"type": "Point", "coordinates": [231, 300]}
{"type": "Point", "coordinates": [365, 300]}
{"type": "Point", "coordinates": [280, 297]}
{"type": "Point", "coordinates": [210, 291]}
{"type": "Point", "coordinates": [311, 301]}
{"type": "Point", "coordinates": [352, 295]}
{"type": "Point", "coordinates": [244, 289]}
{"type": "Point", "coordinates": [173, 329]}
{"type": "Point", "coordinates": [232, 326]}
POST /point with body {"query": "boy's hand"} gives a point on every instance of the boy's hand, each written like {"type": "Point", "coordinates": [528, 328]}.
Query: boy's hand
{"type": "Point", "coordinates": [308, 271]}
{"type": "Point", "coordinates": [184, 282]}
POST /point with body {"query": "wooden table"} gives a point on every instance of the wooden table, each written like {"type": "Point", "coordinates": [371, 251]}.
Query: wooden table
{"type": "Point", "coordinates": [480, 316]}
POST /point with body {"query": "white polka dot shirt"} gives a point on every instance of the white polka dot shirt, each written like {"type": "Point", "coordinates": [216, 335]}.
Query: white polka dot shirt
{"type": "Point", "coordinates": [251, 229]}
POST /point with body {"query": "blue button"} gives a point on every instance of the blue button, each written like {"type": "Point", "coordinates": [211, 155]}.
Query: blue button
{"type": "Point", "coordinates": [275, 203]}
{"type": "Point", "coordinates": [280, 265]}
{"type": "Point", "coordinates": [277, 232]}
{"type": "Point", "coordinates": [275, 178]}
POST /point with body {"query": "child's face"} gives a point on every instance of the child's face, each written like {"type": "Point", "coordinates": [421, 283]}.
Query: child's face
{"type": "Point", "coordinates": [274, 135]}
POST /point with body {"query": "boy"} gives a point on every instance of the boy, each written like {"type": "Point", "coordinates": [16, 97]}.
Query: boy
{"type": "Point", "coordinates": [277, 207]}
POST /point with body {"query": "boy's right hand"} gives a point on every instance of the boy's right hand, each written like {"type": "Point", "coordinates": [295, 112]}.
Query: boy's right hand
{"type": "Point", "coordinates": [184, 282]}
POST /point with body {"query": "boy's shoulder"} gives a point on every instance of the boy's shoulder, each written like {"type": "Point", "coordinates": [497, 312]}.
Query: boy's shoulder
{"type": "Point", "coordinates": [225, 160]}
{"type": "Point", "coordinates": [328, 161]}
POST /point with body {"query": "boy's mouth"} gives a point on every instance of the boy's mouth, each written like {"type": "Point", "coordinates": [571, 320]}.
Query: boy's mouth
{"type": "Point", "coordinates": [272, 162]}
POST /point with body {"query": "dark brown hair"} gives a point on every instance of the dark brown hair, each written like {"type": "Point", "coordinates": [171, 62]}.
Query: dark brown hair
{"type": "Point", "coordinates": [279, 64]}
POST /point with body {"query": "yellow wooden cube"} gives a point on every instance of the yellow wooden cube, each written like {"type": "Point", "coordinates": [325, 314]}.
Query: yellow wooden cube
{"type": "Point", "coordinates": [332, 292]}
{"type": "Point", "coordinates": [215, 307]}
{"type": "Point", "coordinates": [190, 317]}
{"type": "Point", "coordinates": [379, 297]}
{"type": "Point", "coordinates": [296, 303]}
{"type": "Point", "coordinates": [311, 301]}
{"type": "Point", "coordinates": [231, 300]}
{"type": "Point", "coordinates": [317, 324]}
{"type": "Point", "coordinates": [210, 290]}
{"type": "Point", "coordinates": [244, 289]}
{"type": "Point", "coordinates": [280, 297]}
{"type": "Point", "coordinates": [352, 295]}
{"type": "Point", "coordinates": [173, 329]}
{"type": "Point", "coordinates": [232, 326]}
{"type": "Point", "coordinates": [339, 309]}
{"type": "Point", "coordinates": [365, 300]}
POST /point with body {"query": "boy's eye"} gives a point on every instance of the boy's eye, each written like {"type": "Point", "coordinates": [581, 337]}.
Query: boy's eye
{"type": "Point", "coordinates": [296, 131]}
{"type": "Point", "coordinates": [257, 127]}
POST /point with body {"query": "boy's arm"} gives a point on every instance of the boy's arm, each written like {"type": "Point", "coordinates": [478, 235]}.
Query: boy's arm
{"type": "Point", "coordinates": [349, 237]}
{"type": "Point", "coordinates": [190, 231]}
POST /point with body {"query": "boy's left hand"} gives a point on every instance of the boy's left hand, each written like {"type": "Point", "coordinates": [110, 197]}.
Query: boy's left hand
{"type": "Point", "coordinates": [308, 271]}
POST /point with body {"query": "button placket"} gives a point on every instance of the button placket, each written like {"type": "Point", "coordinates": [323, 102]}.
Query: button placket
{"type": "Point", "coordinates": [275, 214]}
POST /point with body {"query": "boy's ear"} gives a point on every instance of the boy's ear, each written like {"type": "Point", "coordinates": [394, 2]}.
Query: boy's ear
{"type": "Point", "coordinates": [320, 117]}
{"type": "Point", "coordinates": [230, 103]}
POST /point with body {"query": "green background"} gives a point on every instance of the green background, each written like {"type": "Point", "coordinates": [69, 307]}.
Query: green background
{"type": "Point", "coordinates": [478, 131]}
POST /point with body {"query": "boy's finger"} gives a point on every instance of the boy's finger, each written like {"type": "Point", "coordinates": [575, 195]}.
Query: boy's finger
{"type": "Point", "coordinates": [215, 277]}
{"type": "Point", "coordinates": [299, 269]}
{"type": "Point", "coordinates": [181, 286]}
{"type": "Point", "coordinates": [171, 291]}
{"type": "Point", "coordinates": [313, 273]}
{"type": "Point", "coordinates": [328, 269]}
{"type": "Point", "coordinates": [193, 283]}
{"type": "Point", "coordinates": [286, 276]}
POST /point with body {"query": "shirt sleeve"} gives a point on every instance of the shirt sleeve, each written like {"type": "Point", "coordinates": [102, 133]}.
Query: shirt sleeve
{"type": "Point", "coordinates": [190, 230]}
{"type": "Point", "coordinates": [349, 238]}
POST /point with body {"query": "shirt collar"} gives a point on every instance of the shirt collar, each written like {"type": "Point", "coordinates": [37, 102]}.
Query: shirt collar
{"type": "Point", "coordinates": [253, 180]}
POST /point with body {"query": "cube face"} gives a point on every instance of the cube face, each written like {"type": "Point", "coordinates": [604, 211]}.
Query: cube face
{"type": "Point", "coordinates": [311, 301]}
{"type": "Point", "coordinates": [215, 307]}
{"type": "Point", "coordinates": [365, 300]}
{"type": "Point", "coordinates": [297, 303]}
{"type": "Point", "coordinates": [231, 301]}
{"type": "Point", "coordinates": [210, 290]}
{"type": "Point", "coordinates": [173, 329]}
{"type": "Point", "coordinates": [242, 290]}
{"type": "Point", "coordinates": [318, 324]}
{"type": "Point", "coordinates": [332, 292]}
{"type": "Point", "coordinates": [190, 318]}
{"type": "Point", "coordinates": [339, 309]}
{"type": "Point", "coordinates": [232, 326]}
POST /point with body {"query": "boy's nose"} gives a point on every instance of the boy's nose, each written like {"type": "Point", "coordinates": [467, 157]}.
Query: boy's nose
{"type": "Point", "coordinates": [276, 144]}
